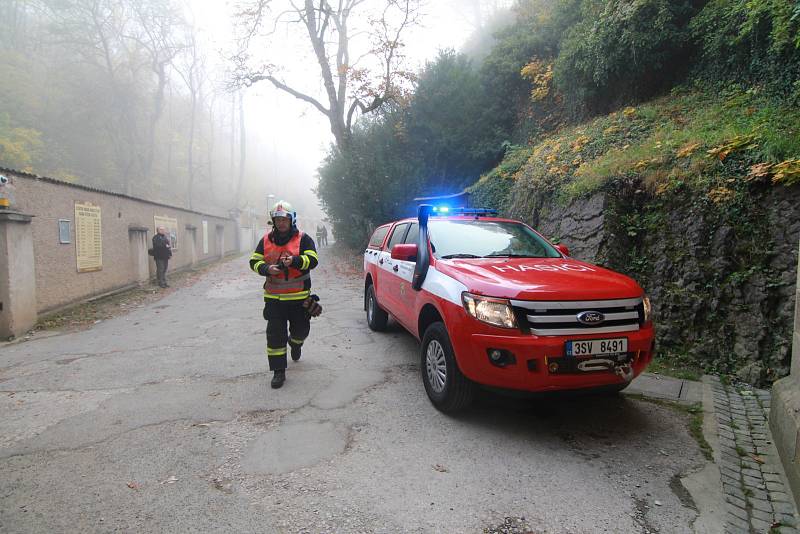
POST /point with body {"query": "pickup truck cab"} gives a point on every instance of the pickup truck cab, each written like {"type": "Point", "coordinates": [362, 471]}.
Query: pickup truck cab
{"type": "Point", "coordinates": [495, 303]}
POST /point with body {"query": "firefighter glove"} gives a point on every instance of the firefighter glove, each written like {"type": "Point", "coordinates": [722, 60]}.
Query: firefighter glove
{"type": "Point", "coordinates": [311, 304]}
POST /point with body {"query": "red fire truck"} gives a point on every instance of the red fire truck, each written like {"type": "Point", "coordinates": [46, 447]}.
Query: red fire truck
{"type": "Point", "coordinates": [495, 303]}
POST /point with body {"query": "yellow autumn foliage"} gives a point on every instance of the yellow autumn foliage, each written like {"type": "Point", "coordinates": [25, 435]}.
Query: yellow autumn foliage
{"type": "Point", "coordinates": [540, 74]}
{"type": "Point", "coordinates": [720, 195]}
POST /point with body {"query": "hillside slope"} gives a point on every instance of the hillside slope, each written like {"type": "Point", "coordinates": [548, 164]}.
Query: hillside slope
{"type": "Point", "coordinates": [697, 196]}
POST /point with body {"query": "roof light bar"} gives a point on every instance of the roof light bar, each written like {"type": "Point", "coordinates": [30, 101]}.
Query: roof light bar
{"type": "Point", "coordinates": [446, 210]}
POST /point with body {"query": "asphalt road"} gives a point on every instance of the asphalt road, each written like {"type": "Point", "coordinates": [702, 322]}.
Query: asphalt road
{"type": "Point", "coordinates": [162, 420]}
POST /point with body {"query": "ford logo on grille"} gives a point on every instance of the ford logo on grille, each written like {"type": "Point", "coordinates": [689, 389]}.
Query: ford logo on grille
{"type": "Point", "coordinates": [591, 318]}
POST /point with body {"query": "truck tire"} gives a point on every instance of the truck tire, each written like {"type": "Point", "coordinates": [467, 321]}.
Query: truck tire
{"type": "Point", "coordinates": [448, 389]}
{"type": "Point", "coordinates": [376, 317]}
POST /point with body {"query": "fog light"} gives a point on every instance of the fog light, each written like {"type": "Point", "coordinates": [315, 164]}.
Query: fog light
{"type": "Point", "coordinates": [500, 357]}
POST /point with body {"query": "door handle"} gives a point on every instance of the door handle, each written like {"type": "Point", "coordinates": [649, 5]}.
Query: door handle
{"type": "Point", "coordinates": [380, 261]}
{"type": "Point", "coordinates": [395, 268]}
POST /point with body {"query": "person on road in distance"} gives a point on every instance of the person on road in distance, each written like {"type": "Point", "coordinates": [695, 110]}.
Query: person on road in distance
{"type": "Point", "coordinates": [162, 252]}
{"type": "Point", "coordinates": [285, 256]}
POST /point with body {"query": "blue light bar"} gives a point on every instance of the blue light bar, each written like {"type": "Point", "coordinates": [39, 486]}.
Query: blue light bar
{"type": "Point", "coordinates": [445, 210]}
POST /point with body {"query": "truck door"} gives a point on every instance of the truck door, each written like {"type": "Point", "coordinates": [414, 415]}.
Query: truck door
{"type": "Point", "coordinates": [388, 279]}
{"type": "Point", "coordinates": [406, 297]}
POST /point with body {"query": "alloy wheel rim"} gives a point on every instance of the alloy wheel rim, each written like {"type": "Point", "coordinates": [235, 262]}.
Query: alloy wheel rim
{"type": "Point", "coordinates": [370, 308]}
{"type": "Point", "coordinates": [436, 366]}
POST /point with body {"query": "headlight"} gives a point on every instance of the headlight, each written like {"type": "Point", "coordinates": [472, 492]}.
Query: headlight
{"type": "Point", "coordinates": [648, 309]}
{"type": "Point", "coordinates": [496, 312]}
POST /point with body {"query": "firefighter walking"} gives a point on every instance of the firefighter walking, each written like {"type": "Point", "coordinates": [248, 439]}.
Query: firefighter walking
{"type": "Point", "coordinates": [285, 256]}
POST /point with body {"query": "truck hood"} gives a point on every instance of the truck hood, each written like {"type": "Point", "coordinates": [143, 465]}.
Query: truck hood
{"type": "Point", "coordinates": [539, 279]}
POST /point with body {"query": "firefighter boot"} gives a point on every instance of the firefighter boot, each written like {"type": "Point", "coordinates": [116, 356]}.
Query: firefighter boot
{"type": "Point", "coordinates": [295, 351]}
{"type": "Point", "coordinates": [278, 378]}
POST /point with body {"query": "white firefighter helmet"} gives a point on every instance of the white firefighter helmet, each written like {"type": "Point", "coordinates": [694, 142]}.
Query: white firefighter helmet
{"type": "Point", "coordinates": [283, 209]}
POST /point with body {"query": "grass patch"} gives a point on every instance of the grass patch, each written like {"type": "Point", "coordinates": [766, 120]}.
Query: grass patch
{"type": "Point", "coordinates": [675, 367]}
{"type": "Point", "coordinates": [694, 135]}
{"type": "Point", "coordinates": [695, 412]}
{"type": "Point", "coordinates": [702, 138]}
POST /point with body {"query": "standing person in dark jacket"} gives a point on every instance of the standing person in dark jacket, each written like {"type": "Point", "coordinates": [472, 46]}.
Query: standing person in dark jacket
{"type": "Point", "coordinates": [162, 252]}
{"type": "Point", "coordinates": [285, 256]}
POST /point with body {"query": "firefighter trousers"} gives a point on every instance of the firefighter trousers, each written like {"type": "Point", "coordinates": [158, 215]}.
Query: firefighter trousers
{"type": "Point", "coordinates": [277, 314]}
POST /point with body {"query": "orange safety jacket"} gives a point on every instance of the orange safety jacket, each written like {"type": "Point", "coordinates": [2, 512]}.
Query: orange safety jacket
{"type": "Point", "coordinates": [291, 280]}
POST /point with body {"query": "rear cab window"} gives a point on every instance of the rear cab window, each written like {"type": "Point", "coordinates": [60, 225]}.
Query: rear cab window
{"type": "Point", "coordinates": [398, 235]}
{"type": "Point", "coordinates": [413, 234]}
{"type": "Point", "coordinates": [378, 235]}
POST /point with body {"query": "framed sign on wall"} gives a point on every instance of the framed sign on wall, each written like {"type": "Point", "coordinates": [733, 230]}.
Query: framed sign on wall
{"type": "Point", "coordinates": [172, 229]}
{"type": "Point", "coordinates": [88, 238]}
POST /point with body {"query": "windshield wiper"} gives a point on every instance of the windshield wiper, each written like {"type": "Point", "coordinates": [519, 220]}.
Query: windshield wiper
{"type": "Point", "coordinates": [451, 256]}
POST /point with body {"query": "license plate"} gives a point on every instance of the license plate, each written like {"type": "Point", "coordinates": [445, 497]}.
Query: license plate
{"type": "Point", "coordinates": [596, 347]}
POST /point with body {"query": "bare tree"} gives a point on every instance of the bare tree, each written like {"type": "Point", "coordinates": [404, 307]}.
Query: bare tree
{"type": "Point", "coordinates": [330, 29]}
{"type": "Point", "coordinates": [158, 35]}
{"type": "Point", "coordinates": [193, 77]}
{"type": "Point", "coordinates": [242, 149]}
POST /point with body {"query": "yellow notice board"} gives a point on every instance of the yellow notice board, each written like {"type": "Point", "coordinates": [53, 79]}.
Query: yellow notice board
{"type": "Point", "coordinates": [172, 229]}
{"type": "Point", "coordinates": [88, 238]}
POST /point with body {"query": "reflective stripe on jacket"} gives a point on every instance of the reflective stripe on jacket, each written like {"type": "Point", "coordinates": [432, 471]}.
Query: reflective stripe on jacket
{"type": "Point", "coordinates": [289, 284]}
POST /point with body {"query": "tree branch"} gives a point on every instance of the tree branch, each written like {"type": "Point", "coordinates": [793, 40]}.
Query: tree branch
{"type": "Point", "coordinates": [250, 80]}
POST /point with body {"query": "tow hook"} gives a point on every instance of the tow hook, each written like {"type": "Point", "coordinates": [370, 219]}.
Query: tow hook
{"type": "Point", "coordinates": [624, 371]}
{"type": "Point", "coordinates": [596, 365]}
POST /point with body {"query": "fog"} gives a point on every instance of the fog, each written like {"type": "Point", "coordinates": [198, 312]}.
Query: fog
{"type": "Point", "coordinates": [141, 100]}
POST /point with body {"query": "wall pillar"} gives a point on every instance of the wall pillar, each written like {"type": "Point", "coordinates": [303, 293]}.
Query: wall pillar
{"type": "Point", "coordinates": [220, 241]}
{"type": "Point", "coordinates": [17, 275]}
{"type": "Point", "coordinates": [784, 417]}
{"type": "Point", "coordinates": [191, 231]}
{"type": "Point", "coordinates": [137, 236]}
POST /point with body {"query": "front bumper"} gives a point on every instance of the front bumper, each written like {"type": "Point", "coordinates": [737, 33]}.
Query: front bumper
{"type": "Point", "coordinates": [534, 356]}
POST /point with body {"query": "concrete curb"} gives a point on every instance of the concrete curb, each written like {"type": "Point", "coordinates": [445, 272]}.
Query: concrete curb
{"type": "Point", "coordinates": [746, 488]}
{"type": "Point", "coordinates": [757, 499]}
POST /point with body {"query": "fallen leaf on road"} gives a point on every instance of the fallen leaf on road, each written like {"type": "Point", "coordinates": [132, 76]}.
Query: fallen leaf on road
{"type": "Point", "coordinates": [215, 394]}
{"type": "Point", "coordinates": [171, 480]}
{"type": "Point", "coordinates": [203, 424]}
{"type": "Point", "coordinates": [133, 485]}
{"type": "Point", "coordinates": [440, 468]}
{"type": "Point", "coordinates": [657, 503]}
{"type": "Point", "coordinates": [757, 458]}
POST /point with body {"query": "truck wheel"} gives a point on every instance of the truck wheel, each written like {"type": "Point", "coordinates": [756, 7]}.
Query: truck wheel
{"type": "Point", "coordinates": [448, 389]}
{"type": "Point", "coordinates": [376, 317]}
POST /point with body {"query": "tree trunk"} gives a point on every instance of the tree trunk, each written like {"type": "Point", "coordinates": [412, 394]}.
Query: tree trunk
{"type": "Point", "coordinates": [242, 149]}
{"type": "Point", "coordinates": [193, 91]}
{"type": "Point", "coordinates": [232, 168]}
{"type": "Point", "coordinates": [210, 155]}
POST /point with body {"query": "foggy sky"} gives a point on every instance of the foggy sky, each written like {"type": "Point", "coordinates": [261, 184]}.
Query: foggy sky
{"type": "Point", "coordinates": [287, 138]}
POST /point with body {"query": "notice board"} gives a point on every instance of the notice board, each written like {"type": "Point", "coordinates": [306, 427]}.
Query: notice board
{"type": "Point", "coordinates": [172, 229]}
{"type": "Point", "coordinates": [88, 238]}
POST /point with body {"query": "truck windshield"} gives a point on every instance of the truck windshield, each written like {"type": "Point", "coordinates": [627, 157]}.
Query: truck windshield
{"type": "Point", "coordinates": [481, 239]}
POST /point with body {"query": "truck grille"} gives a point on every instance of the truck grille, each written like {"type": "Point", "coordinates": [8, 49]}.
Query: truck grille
{"type": "Point", "coordinates": [559, 318]}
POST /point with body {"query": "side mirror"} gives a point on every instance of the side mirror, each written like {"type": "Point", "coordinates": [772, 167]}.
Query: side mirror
{"type": "Point", "coordinates": [405, 252]}
{"type": "Point", "coordinates": [562, 249]}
